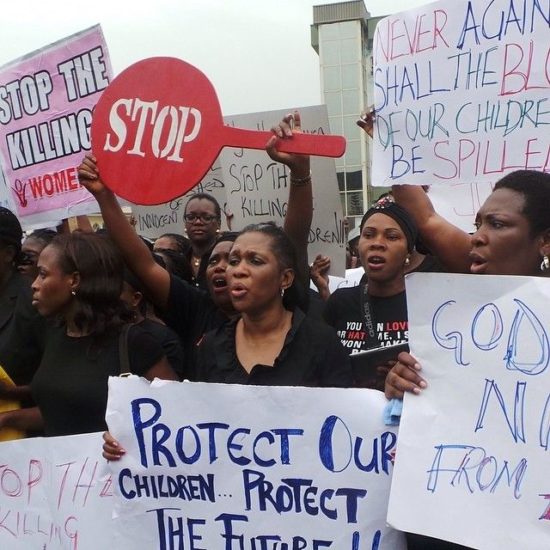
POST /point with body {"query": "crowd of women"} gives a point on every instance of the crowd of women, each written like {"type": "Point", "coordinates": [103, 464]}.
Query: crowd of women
{"type": "Point", "coordinates": [228, 307]}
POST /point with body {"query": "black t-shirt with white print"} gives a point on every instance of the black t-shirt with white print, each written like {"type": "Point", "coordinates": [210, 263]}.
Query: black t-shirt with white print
{"type": "Point", "coordinates": [344, 311]}
{"type": "Point", "coordinates": [389, 319]}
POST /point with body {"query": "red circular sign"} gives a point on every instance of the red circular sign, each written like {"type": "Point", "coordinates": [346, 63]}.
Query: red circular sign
{"type": "Point", "coordinates": [154, 128]}
{"type": "Point", "coordinates": [158, 128]}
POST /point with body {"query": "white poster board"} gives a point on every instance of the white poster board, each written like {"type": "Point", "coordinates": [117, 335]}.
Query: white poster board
{"type": "Point", "coordinates": [55, 494]}
{"type": "Point", "coordinates": [459, 203]}
{"type": "Point", "coordinates": [472, 458]}
{"type": "Point", "coordinates": [461, 92]}
{"type": "Point", "coordinates": [214, 464]}
{"type": "Point", "coordinates": [352, 278]}
{"type": "Point", "coordinates": [257, 187]}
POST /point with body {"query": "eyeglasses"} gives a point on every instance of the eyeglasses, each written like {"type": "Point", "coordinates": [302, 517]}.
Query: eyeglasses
{"type": "Point", "coordinates": [204, 218]}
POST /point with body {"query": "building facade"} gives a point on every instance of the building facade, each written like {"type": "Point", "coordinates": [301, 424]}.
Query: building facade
{"type": "Point", "coordinates": [342, 34]}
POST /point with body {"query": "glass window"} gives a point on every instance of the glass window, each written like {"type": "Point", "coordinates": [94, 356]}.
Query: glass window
{"type": "Point", "coordinates": [353, 152]}
{"type": "Point", "coordinates": [350, 76]}
{"type": "Point", "coordinates": [350, 100]}
{"type": "Point", "coordinates": [354, 181]}
{"type": "Point", "coordinates": [340, 176]}
{"type": "Point", "coordinates": [343, 201]}
{"type": "Point", "coordinates": [355, 204]}
{"type": "Point", "coordinates": [333, 101]}
{"type": "Point", "coordinates": [351, 52]}
{"type": "Point", "coordinates": [331, 78]}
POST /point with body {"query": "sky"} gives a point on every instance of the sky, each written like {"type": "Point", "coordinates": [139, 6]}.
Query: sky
{"type": "Point", "coordinates": [257, 53]}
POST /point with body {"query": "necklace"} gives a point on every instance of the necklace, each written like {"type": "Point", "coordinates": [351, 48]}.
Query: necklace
{"type": "Point", "coordinates": [196, 261]}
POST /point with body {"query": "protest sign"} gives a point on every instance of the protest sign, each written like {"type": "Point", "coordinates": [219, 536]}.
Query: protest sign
{"type": "Point", "coordinates": [250, 467]}
{"type": "Point", "coordinates": [459, 203]}
{"type": "Point", "coordinates": [154, 221]}
{"type": "Point", "coordinates": [257, 187]}
{"type": "Point", "coordinates": [159, 126]}
{"type": "Point", "coordinates": [472, 457]}
{"type": "Point", "coordinates": [352, 277]}
{"type": "Point", "coordinates": [46, 102]}
{"type": "Point", "coordinates": [461, 92]}
{"type": "Point", "coordinates": [5, 196]}
{"type": "Point", "coordinates": [55, 494]}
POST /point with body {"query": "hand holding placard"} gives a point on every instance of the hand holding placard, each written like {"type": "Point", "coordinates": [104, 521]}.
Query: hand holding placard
{"type": "Point", "coordinates": [158, 128]}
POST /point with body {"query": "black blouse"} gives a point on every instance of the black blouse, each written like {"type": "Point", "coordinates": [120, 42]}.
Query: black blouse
{"type": "Point", "coordinates": [311, 356]}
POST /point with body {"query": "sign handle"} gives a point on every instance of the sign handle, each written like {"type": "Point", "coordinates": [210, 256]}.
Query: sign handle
{"type": "Point", "coordinates": [300, 143]}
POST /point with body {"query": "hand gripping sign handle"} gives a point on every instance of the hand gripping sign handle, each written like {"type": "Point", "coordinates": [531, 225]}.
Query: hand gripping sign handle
{"type": "Point", "coordinates": [300, 143]}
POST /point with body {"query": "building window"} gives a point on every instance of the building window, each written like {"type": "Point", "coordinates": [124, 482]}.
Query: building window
{"type": "Point", "coordinates": [355, 204]}
{"type": "Point", "coordinates": [354, 180]}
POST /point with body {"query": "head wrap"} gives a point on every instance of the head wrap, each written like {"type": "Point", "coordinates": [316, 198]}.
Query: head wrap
{"type": "Point", "coordinates": [10, 229]}
{"type": "Point", "coordinates": [399, 214]}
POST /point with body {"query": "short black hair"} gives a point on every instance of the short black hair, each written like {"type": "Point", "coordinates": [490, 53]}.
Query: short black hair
{"type": "Point", "coordinates": [535, 188]}
{"type": "Point", "coordinates": [182, 243]}
{"type": "Point", "coordinates": [11, 233]}
{"type": "Point", "coordinates": [208, 197]}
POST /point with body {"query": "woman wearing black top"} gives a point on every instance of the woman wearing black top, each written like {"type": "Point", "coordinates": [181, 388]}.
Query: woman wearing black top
{"type": "Point", "coordinates": [202, 216]}
{"type": "Point", "coordinates": [186, 309]}
{"type": "Point", "coordinates": [79, 281]}
{"type": "Point", "coordinates": [271, 342]}
{"type": "Point", "coordinates": [374, 314]}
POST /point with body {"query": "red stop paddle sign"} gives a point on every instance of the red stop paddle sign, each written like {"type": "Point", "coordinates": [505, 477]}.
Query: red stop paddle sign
{"type": "Point", "coordinates": [158, 128]}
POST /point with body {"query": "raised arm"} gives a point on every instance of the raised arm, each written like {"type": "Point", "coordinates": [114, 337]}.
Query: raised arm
{"type": "Point", "coordinates": [318, 273]}
{"type": "Point", "coordinates": [449, 243]}
{"type": "Point", "coordinates": [134, 251]}
{"type": "Point", "coordinates": [299, 213]}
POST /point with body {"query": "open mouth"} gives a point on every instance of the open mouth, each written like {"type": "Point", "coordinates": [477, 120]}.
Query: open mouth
{"type": "Point", "coordinates": [219, 283]}
{"type": "Point", "coordinates": [478, 265]}
{"type": "Point", "coordinates": [376, 262]}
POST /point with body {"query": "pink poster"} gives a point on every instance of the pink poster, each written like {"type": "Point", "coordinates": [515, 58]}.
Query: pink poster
{"type": "Point", "coordinates": [46, 103]}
